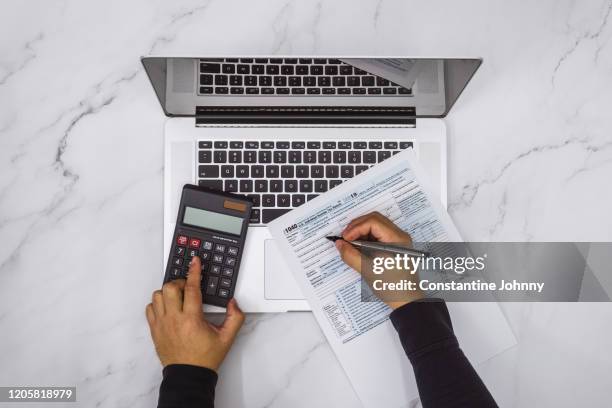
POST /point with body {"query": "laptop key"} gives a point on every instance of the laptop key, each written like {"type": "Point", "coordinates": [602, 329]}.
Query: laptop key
{"type": "Point", "coordinates": [255, 198]}
{"type": "Point", "coordinates": [250, 156]}
{"type": "Point", "coordinates": [282, 91]}
{"type": "Point", "coordinates": [390, 145]}
{"type": "Point", "coordinates": [287, 171]}
{"type": "Point", "coordinates": [272, 171]}
{"type": "Point", "coordinates": [320, 186]}
{"type": "Point", "coordinates": [297, 199]}
{"type": "Point", "coordinates": [344, 145]}
{"type": "Point", "coordinates": [310, 156]}
{"type": "Point", "coordinates": [261, 186]}
{"type": "Point", "coordinates": [265, 80]}
{"type": "Point", "coordinates": [344, 91]}
{"type": "Point", "coordinates": [257, 171]}
{"type": "Point", "coordinates": [311, 196]}
{"type": "Point", "coordinates": [369, 156]}
{"type": "Point", "coordinates": [235, 80]}
{"type": "Point", "coordinates": [324, 81]}
{"type": "Point", "coordinates": [295, 81]}
{"type": "Point", "coordinates": [346, 70]}
{"type": "Point", "coordinates": [340, 155]}
{"type": "Point", "coordinates": [268, 200]}
{"type": "Point", "coordinates": [360, 145]}
{"type": "Point", "coordinates": [360, 169]}
{"type": "Point", "coordinates": [331, 171]}
{"type": "Point", "coordinates": [389, 91]}
{"type": "Point", "coordinates": [258, 69]}
{"type": "Point", "coordinates": [242, 171]}
{"type": "Point", "coordinates": [236, 145]}
{"type": "Point", "coordinates": [367, 80]}
{"type": "Point", "coordinates": [301, 171]}
{"type": "Point", "coordinates": [298, 91]}
{"type": "Point", "coordinates": [313, 91]}
{"type": "Point", "coordinates": [243, 69]}
{"type": "Point", "coordinates": [306, 186]}
{"type": "Point", "coordinates": [267, 91]}
{"type": "Point", "coordinates": [228, 68]}
{"type": "Point", "coordinates": [209, 68]}
{"type": "Point", "coordinates": [220, 145]}
{"type": "Point", "coordinates": [214, 184]}
{"type": "Point", "coordinates": [331, 70]}
{"type": "Point", "coordinates": [205, 156]}
{"type": "Point", "coordinates": [250, 80]}
{"type": "Point", "coordinates": [267, 145]}
{"type": "Point", "coordinates": [325, 156]}
{"type": "Point", "coordinates": [295, 156]}
{"type": "Point", "coordinates": [246, 186]}
{"type": "Point", "coordinates": [221, 90]}
{"type": "Point", "coordinates": [316, 70]}
{"type": "Point", "coordinates": [329, 91]}
{"type": "Point", "coordinates": [329, 145]}
{"type": "Point", "coordinates": [310, 81]}
{"type": "Point", "coordinates": [252, 145]}
{"type": "Point", "coordinates": [231, 186]}
{"type": "Point", "coordinates": [269, 215]}
{"type": "Point", "coordinates": [287, 69]}
{"type": "Point", "coordinates": [316, 171]}
{"type": "Point", "coordinates": [280, 81]}
{"type": "Point", "coordinates": [405, 145]}
{"type": "Point", "coordinates": [255, 214]}
{"type": "Point", "coordinates": [334, 183]}
{"type": "Point", "coordinates": [276, 186]}
{"type": "Point", "coordinates": [291, 186]}
{"type": "Point", "coordinates": [346, 171]}
{"type": "Point", "coordinates": [313, 145]}
{"type": "Point", "coordinates": [205, 144]}
{"type": "Point", "coordinates": [359, 91]}
{"type": "Point", "coordinates": [272, 70]}
{"type": "Point", "coordinates": [283, 200]}
{"type": "Point", "coordinates": [252, 91]}
{"type": "Point", "coordinates": [404, 91]}
{"type": "Point", "coordinates": [280, 156]}
{"type": "Point", "coordinates": [353, 81]}
{"type": "Point", "coordinates": [206, 79]}
{"type": "Point", "coordinates": [298, 145]}
{"type": "Point", "coordinates": [374, 91]}
{"type": "Point", "coordinates": [383, 155]}
{"type": "Point", "coordinates": [220, 79]}
{"type": "Point", "coordinates": [301, 70]}
{"type": "Point", "coordinates": [227, 171]}
{"type": "Point", "coordinates": [265, 156]}
{"type": "Point", "coordinates": [354, 157]}
{"type": "Point", "coordinates": [339, 81]}
{"type": "Point", "coordinates": [220, 156]}
{"type": "Point", "coordinates": [235, 156]}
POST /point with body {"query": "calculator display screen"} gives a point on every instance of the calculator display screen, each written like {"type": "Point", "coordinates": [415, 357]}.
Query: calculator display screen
{"type": "Point", "coordinates": [213, 220]}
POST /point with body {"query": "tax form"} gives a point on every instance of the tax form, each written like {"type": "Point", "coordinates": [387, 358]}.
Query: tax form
{"type": "Point", "coordinates": [360, 333]}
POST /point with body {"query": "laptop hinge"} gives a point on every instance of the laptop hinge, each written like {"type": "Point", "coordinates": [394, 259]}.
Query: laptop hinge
{"type": "Point", "coordinates": [305, 115]}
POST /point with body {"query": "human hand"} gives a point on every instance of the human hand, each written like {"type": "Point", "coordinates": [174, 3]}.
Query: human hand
{"type": "Point", "coordinates": [179, 330]}
{"type": "Point", "coordinates": [375, 226]}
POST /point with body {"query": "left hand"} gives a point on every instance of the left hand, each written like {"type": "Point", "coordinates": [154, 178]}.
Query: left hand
{"type": "Point", "coordinates": [181, 333]}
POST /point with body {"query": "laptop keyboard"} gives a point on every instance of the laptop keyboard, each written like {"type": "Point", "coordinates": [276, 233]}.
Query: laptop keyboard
{"type": "Point", "coordinates": [291, 76]}
{"type": "Point", "coordinates": [281, 175]}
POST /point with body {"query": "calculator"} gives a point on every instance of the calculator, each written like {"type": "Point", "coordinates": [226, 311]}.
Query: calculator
{"type": "Point", "coordinates": [210, 224]}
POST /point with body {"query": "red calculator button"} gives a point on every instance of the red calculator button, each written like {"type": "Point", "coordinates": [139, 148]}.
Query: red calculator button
{"type": "Point", "coordinates": [194, 243]}
{"type": "Point", "coordinates": [182, 240]}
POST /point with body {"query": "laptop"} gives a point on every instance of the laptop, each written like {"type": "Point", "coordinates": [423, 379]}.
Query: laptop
{"type": "Point", "coordinates": [283, 130]}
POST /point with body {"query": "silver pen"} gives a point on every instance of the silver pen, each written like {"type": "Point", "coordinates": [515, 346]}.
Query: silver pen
{"type": "Point", "coordinates": [379, 246]}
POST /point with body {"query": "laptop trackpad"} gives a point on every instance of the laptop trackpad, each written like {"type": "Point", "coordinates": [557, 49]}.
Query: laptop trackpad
{"type": "Point", "coordinates": [279, 281]}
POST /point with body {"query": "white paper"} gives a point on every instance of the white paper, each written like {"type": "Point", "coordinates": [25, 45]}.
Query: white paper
{"type": "Point", "coordinates": [360, 333]}
{"type": "Point", "coordinates": [402, 71]}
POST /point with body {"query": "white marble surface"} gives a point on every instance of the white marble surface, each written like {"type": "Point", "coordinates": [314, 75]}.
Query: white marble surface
{"type": "Point", "coordinates": [81, 183]}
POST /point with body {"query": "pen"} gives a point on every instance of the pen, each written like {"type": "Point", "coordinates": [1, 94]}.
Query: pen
{"type": "Point", "coordinates": [379, 246]}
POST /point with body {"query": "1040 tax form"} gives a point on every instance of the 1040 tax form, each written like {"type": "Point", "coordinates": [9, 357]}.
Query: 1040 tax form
{"type": "Point", "coordinates": [360, 333]}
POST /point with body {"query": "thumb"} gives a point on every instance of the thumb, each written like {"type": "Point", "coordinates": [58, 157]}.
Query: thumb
{"type": "Point", "coordinates": [233, 321]}
{"type": "Point", "coordinates": [350, 255]}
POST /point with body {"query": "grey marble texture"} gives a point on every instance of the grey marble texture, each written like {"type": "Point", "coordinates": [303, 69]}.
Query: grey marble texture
{"type": "Point", "coordinates": [81, 144]}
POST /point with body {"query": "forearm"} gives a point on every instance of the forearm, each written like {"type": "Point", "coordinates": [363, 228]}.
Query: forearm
{"type": "Point", "coordinates": [187, 386]}
{"type": "Point", "coordinates": [444, 376]}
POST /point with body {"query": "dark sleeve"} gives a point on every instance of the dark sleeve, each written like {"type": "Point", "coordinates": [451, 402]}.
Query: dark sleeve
{"type": "Point", "coordinates": [186, 386]}
{"type": "Point", "coordinates": [444, 376]}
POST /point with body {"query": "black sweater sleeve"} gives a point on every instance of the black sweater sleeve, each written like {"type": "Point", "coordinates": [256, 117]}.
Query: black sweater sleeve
{"type": "Point", "coordinates": [186, 386]}
{"type": "Point", "coordinates": [444, 376]}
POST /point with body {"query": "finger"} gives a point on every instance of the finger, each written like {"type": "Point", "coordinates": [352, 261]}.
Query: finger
{"type": "Point", "coordinates": [350, 255]}
{"type": "Point", "coordinates": [233, 321]}
{"type": "Point", "coordinates": [158, 303]}
{"type": "Point", "coordinates": [173, 296]}
{"type": "Point", "coordinates": [371, 226]}
{"type": "Point", "coordinates": [193, 291]}
{"type": "Point", "coordinates": [150, 312]}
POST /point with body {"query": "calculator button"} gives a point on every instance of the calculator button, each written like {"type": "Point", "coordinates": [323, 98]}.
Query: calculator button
{"type": "Point", "coordinates": [176, 272]}
{"type": "Point", "coordinates": [230, 261]}
{"type": "Point", "coordinates": [215, 269]}
{"type": "Point", "coordinates": [223, 292]}
{"type": "Point", "coordinates": [232, 251]}
{"type": "Point", "coordinates": [177, 261]}
{"type": "Point", "coordinates": [191, 253]}
{"type": "Point", "coordinates": [228, 272]}
{"type": "Point", "coordinates": [217, 258]}
{"type": "Point", "coordinates": [211, 285]}
{"type": "Point", "coordinates": [226, 283]}
{"type": "Point", "coordinates": [179, 251]}
{"type": "Point", "coordinates": [194, 243]}
{"type": "Point", "coordinates": [182, 240]}
{"type": "Point", "coordinates": [207, 245]}
{"type": "Point", "coordinates": [220, 248]}
{"type": "Point", "coordinates": [204, 255]}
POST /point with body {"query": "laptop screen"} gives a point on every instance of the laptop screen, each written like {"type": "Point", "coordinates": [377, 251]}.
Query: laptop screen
{"type": "Point", "coordinates": [332, 88]}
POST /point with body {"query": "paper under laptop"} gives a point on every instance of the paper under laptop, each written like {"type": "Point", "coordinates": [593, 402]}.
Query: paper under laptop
{"type": "Point", "coordinates": [402, 71]}
{"type": "Point", "coordinates": [360, 333]}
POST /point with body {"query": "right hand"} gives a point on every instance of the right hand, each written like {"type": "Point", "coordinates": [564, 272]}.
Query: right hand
{"type": "Point", "coordinates": [373, 226]}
